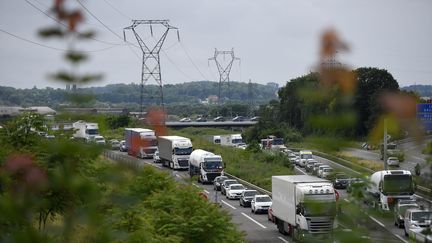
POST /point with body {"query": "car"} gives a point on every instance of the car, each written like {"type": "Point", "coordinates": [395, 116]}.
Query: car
{"type": "Point", "coordinates": [219, 119]}
{"type": "Point", "coordinates": [123, 146]}
{"type": "Point", "coordinates": [270, 216]}
{"type": "Point", "coordinates": [255, 118]}
{"type": "Point", "coordinates": [340, 181]}
{"type": "Point", "coordinates": [115, 144]}
{"type": "Point", "coordinates": [234, 191]}
{"type": "Point", "coordinates": [309, 164]}
{"type": "Point", "coordinates": [292, 158]}
{"type": "Point", "coordinates": [238, 119]}
{"type": "Point", "coordinates": [417, 218]}
{"type": "Point", "coordinates": [246, 197]}
{"type": "Point", "coordinates": [400, 209]}
{"type": "Point", "coordinates": [315, 168]}
{"type": "Point", "coordinates": [185, 119]}
{"type": "Point", "coordinates": [99, 140]}
{"type": "Point", "coordinates": [320, 170]}
{"type": "Point", "coordinates": [156, 158]}
{"type": "Point", "coordinates": [49, 136]}
{"type": "Point", "coordinates": [201, 119]}
{"type": "Point", "coordinates": [327, 173]}
{"type": "Point", "coordinates": [393, 161]}
{"type": "Point", "coordinates": [355, 184]}
{"type": "Point", "coordinates": [225, 185]}
{"type": "Point", "coordinates": [297, 161]}
{"type": "Point", "coordinates": [260, 203]}
{"type": "Point", "coordinates": [217, 182]}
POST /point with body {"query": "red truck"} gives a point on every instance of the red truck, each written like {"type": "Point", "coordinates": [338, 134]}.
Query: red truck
{"type": "Point", "coordinates": [140, 142]}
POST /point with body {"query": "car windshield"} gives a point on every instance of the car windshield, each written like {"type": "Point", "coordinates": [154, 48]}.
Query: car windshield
{"type": "Point", "coordinates": [328, 169]}
{"type": "Point", "coordinates": [263, 199]}
{"type": "Point", "coordinates": [211, 165]}
{"type": "Point", "coordinates": [250, 193]}
{"type": "Point", "coordinates": [421, 216]}
{"type": "Point", "coordinates": [236, 187]}
{"type": "Point", "coordinates": [227, 183]}
{"type": "Point", "coordinates": [99, 139]}
{"type": "Point", "coordinates": [403, 208]}
{"type": "Point", "coordinates": [237, 140]}
{"type": "Point", "coordinates": [220, 179]}
{"type": "Point", "coordinates": [182, 151]}
{"type": "Point", "coordinates": [398, 184]}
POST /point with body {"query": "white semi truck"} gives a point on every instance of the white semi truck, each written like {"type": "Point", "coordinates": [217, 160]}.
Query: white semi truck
{"type": "Point", "coordinates": [206, 165]}
{"type": "Point", "coordinates": [85, 130]}
{"type": "Point", "coordinates": [389, 186]}
{"type": "Point", "coordinates": [233, 140]}
{"type": "Point", "coordinates": [174, 151]}
{"type": "Point", "coordinates": [303, 206]}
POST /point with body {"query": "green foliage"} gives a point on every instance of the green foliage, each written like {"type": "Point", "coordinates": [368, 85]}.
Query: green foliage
{"type": "Point", "coordinates": [118, 121]}
{"type": "Point", "coordinates": [23, 131]}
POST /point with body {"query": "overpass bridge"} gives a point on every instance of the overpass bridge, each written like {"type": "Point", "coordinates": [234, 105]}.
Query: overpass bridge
{"type": "Point", "coordinates": [240, 124]}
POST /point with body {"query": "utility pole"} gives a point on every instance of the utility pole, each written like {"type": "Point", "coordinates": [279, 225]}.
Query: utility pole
{"type": "Point", "coordinates": [224, 70]}
{"type": "Point", "coordinates": [151, 59]}
{"type": "Point", "coordinates": [385, 144]}
{"type": "Point", "coordinates": [250, 97]}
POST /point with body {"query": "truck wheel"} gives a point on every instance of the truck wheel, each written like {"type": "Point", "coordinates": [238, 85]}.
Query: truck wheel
{"type": "Point", "coordinates": [297, 234]}
{"type": "Point", "coordinates": [406, 233]}
{"type": "Point", "coordinates": [280, 227]}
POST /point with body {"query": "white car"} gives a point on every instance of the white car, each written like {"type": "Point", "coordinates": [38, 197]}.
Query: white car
{"type": "Point", "coordinates": [99, 140]}
{"type": "Point", "coordinates": [326, 172]}
{"type": "Point", "coordinates": [393, 161]}
{"type": "Point", "coordinates": [417, 218]}
{"type": "Point", "coordinates": [156, 158]}
{"type": "Point", "coordinates": [260, 203]}
{"type": "Point", "coordinates": [186, 119]}
{"type": "Point", "coordinates": [234, 191]}
{"type": "Point", "coordinates": [320, 170]}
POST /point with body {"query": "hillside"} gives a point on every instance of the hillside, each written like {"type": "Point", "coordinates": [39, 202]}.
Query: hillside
{"type": "Point", "coordinates": [422, 90]}
{"type": "Point", "coordinates": [129, 94]}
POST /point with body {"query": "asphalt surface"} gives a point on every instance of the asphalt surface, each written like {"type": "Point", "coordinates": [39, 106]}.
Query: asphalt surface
{"type": "Point", "coordinates": [259, 229]}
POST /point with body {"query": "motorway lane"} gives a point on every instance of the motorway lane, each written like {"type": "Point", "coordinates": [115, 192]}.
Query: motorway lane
{"type": "Point", "coordinates": [256, 226]}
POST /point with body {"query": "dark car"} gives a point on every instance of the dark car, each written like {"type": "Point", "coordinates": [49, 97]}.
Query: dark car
{"type": "Point", "coordinates": [225, 185]}
{"type": "Point", "coordinates": [201, 119]}
{"type": "Point", "coordinates": [340, 181]}
{"type": "Point", "coordinates": [219, 119]}
{"type": "Point", "coordinates": [246, 197]}
{"type": "Point", "coordinates": [217, 183]}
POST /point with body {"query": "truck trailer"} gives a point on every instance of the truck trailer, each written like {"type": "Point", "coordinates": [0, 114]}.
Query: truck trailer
{"type": "Point", "coordinates": [174, 151]}
{"type": "Point", "coordinates": [304, 206]}
{"type": "Point", "coordinates": [140, 142]}
{"type": "Point", "coordinates": [389, 186]}
{"type": "Point", "coordinates": [85, 130]}
{"type": "Point", "coordinates": [206, 165]}
{"type": "Point", "coordinates": [233, 140]}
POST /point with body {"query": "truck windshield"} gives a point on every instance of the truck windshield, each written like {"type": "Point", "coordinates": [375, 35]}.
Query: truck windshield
{"type": "Point", "coordinates": [319, 208]}
{"type": "Point", "coordinates": [237, 140]}
{"type": "Point", "coordinates": [92, 131]}
{"type": "Point", "coordinates": [212, 165]}
{"type": "Point", "coordinates": [421, 216]}
{"type": "Point", "coordinates": [150, 142]}
{"type": "Point", "coordinates": [401, 184]}
{"type": "Point", "coordinates": [278, 141]}
{"type": "Point", "coordinates": [182, 151]}
{"type": "Point", "coordinates": [306, 156]}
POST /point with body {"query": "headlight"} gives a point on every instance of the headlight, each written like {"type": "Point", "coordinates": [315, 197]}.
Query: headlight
{"type": "Point", "coordinates": [414, 225]}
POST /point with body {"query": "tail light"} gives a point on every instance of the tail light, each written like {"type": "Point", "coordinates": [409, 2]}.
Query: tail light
{"type": "Point", "coordinates": [390, 200]}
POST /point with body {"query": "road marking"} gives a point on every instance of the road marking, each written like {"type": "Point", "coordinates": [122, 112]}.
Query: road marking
{"type": "Point", "coordinates": [206, 191]}
{"type": "Point", "coordinates": [282, 239]}
{"type": "Point", "coordinates": [400, 238]}
{"type": "Point", "coordinates": [177, 175]}
{"type": "Point", "coordinates": [229, 205]}
{"type": "Point", "coordinates": [346, 200]}
{"type": "Point", "coordinates": [195, 185]}
{"type": "Point", "coordinates": [253, 220]}
{"type": "Point", "coordinates": [378, 222]}
{"type": "Point", "coordinates": [304, 173]}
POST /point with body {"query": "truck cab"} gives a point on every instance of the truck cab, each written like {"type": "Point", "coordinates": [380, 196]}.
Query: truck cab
{"type": "Point", "coordinates": [206, 165]}
{"type": "Point", "coordinates": [304, 156]}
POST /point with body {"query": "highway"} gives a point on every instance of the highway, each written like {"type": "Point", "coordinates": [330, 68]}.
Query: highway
{"type": "Point", "coordinates": [258, 228]}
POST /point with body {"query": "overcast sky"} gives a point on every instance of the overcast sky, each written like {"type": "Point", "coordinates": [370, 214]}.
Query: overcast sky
{"type": "Point", "coordinates": [277, 40]}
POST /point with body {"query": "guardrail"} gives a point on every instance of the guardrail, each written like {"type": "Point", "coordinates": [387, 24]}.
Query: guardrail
{"type": "Point", "coordinates": [129, 161]}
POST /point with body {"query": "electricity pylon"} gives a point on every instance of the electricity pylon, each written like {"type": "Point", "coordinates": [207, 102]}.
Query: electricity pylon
{"type": "Point", "coordinates": [224, 70]}
{"type": "Point", "coordinates": [151, 59]}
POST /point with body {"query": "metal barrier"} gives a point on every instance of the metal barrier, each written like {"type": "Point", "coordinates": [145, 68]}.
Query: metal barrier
{"type": "Point", "coordinates": [249, 185]}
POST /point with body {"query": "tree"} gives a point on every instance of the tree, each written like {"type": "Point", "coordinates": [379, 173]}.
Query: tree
{"type": "Point", "coordinates": [372, 82]}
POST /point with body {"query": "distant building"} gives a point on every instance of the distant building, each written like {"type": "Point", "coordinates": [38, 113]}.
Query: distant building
{"type": "Point", "coordinates": [212, 99]}
{"type": "Point", "coordinates": [113, 111]}
{"type": "Point", "coordinates": [7, 111]}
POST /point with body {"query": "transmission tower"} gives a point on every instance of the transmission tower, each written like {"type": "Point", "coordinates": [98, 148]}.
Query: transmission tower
{"type": "Point", "coordinates": [151, 59]}
{"type": "Point", "coordinates": [224, 70]}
